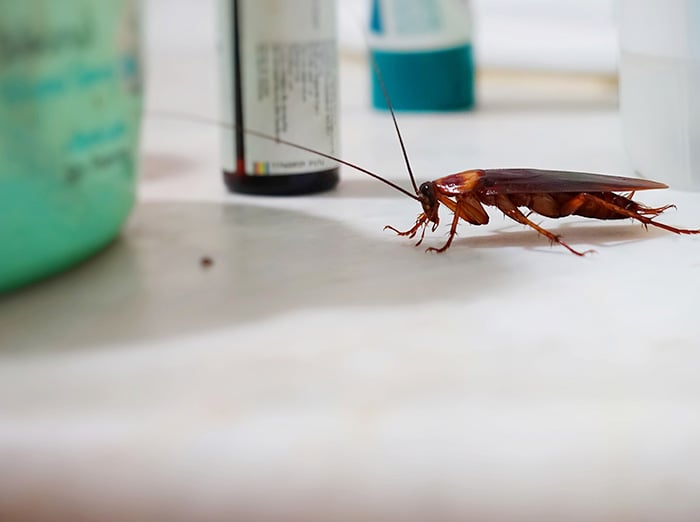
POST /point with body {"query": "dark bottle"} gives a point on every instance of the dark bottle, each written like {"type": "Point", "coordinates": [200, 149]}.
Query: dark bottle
{"type": "Point", "coordinates": [279, 76]}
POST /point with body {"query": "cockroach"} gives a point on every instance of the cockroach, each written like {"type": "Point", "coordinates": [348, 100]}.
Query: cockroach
{"type": "Point", "coordinates": [550, 193]}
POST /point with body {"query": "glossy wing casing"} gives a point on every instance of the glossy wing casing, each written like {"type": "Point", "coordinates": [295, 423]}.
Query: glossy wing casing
{"type": "Point", "coordinates": [528, 181]}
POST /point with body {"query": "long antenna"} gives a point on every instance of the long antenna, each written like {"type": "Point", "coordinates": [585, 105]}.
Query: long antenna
{"type": "Point", "coordinates": [211, 121]}
{"type": "Point", "coordinates": [385, 93]}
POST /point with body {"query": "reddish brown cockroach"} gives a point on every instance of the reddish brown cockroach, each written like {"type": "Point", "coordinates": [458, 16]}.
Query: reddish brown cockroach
{"type": "Point", "coordinates": [551, 193]}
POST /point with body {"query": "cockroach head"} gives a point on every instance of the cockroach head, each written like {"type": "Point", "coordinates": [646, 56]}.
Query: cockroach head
{"type": "Point", "coordinates": [426, 195]}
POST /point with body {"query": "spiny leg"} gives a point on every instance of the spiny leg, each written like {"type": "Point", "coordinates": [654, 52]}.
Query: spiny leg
{"type": "Point", "coordinates": [422, 220]}
{"type": "Point", "coordinates": [640, 215]}
{"type": "Point", "coordinates": [453, 231]}
{"type": "Point", "coordinates": [641, 209]}
{"type": "Point", "coordinates": [465, 206]}
{"type": "Point", "coordinates": [636, 209]}
{"type": "Point", "coordinates": [654, 211]}
{"type": "Point", "coordinates": [422, 233]}
{"type": "Point", "coordinates": [509, 209]}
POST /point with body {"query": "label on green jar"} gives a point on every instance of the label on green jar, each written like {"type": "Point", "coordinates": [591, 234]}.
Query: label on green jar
{"type": "Point", "coordinates": [70, 101]}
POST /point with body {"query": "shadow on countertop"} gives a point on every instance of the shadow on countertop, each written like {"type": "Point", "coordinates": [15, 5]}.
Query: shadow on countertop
{"type": "Point", "coordinates": [181, 268]}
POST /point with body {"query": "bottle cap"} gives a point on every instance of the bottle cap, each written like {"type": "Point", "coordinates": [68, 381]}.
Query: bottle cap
{"type": "Point", "coordinates": [431, 80]}
{"type": "Point", "coordinates": [424, 55]}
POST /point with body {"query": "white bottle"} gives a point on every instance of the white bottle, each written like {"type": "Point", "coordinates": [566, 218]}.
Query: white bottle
{"type": "Point", "coordinates": [279, 76]}
{"type": "Point", "coordinates": [423, 49]}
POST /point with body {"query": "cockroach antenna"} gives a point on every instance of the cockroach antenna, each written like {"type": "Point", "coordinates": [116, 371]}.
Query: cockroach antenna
{"type": "Point", "coordinates": [276, 139]}
{"type": "Point", "coordinates": [385, 93]}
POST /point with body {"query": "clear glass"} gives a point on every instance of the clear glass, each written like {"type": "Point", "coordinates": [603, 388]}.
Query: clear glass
{"type": "Point", "coordinates": [659, 86]}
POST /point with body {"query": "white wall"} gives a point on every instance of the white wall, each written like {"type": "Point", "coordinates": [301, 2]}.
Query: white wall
{"type": "Point", "coordinates": [576, 35]}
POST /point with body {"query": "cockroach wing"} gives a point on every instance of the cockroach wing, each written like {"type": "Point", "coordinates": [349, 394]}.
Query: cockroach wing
{"type": "Point", "coordinates": [514, 181]}
{"type": "Point", "coordinates": [527, 181]}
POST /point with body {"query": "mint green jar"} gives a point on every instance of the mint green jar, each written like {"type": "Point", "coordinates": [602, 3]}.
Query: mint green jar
{"type": "Point", "coordinates": [70, 103]}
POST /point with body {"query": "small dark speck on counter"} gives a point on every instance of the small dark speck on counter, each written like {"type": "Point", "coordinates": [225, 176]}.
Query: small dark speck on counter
{"type": "Point", "coordinates": [206, 261]}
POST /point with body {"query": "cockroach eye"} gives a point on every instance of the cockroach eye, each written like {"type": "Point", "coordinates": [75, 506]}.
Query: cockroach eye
{"type": "Point", "coordinates": [425, 188]}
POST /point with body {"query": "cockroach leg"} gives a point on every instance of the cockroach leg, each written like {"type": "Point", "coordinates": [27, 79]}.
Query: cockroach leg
{"type": "Point", "coordinates": [506, 206]}
{"type": "Point", "coordinates": [443, 247]}
{"type": "Point", "coordinates": [653, 212]}
{"type": "Point", "coordinates": [640, 215]}
{"type": "Point", "coordinates": [422, 234]}
{"type": "Point", "coordinates": [411, 233]}
{"type": "Point", "coordinates": [453, 230]}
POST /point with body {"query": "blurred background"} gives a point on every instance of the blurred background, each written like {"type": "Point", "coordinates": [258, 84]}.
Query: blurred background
{"type": "Point", "coordinates": [551, 35]}
{"type": "Point", "coordinates": [530, 55]}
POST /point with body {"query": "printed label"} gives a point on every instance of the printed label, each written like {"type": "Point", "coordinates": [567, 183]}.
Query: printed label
{"type": "Point", "coordinates": [288, 84]}
{"type": "Point", "coordinates": [68, 91]}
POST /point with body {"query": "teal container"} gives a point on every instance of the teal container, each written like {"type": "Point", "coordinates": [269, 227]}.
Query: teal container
{"type": "Point", "coordinates": [70, 106]}
{"type": "Point", "coordinates": [445, 81]}
{"type": "Point", "coordinates": [423, 51]}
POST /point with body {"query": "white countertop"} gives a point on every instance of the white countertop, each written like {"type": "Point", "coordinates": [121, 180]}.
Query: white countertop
{"type": "Point", "coordinates": [324, 369]}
